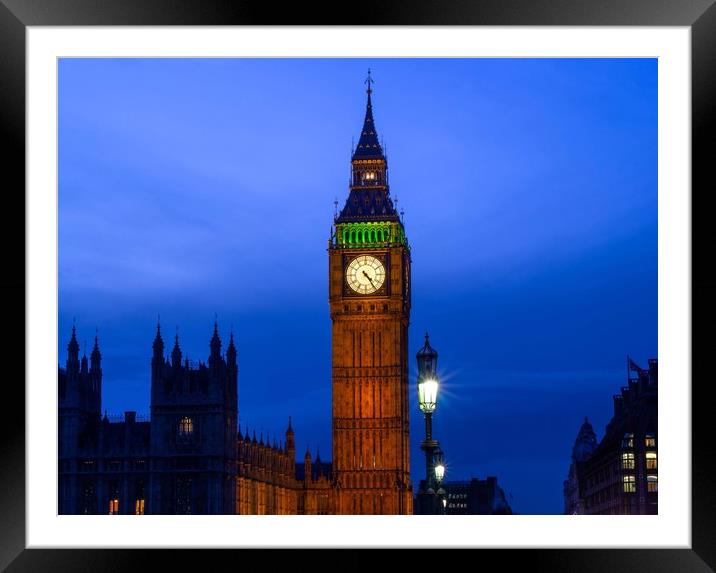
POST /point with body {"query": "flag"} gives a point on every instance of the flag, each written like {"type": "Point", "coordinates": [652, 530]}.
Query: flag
{"type": "Point", "coordinates": [633, 366]}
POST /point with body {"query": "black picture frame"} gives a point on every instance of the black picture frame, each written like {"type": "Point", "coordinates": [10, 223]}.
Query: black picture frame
{"type": "Point", "coordinates": [699, 15]}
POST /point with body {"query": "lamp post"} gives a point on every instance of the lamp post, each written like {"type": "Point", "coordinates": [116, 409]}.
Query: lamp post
{"type": "Point", "coordinates": [428, 400]}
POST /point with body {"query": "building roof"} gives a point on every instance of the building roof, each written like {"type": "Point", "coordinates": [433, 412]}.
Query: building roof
{"type": "Point", "coordinates": [368, 204]}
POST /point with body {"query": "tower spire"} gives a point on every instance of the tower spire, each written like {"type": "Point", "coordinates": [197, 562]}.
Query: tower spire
{"type": "Point", "coordinates": [368, 145]}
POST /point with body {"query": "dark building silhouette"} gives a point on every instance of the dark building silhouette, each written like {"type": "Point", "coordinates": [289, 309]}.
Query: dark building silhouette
{"type": "Point", "coordinates": [475, 497]}
{"type": "Point", "coordinates": [620, 474]}
{"type": "Point", "coordinates": [182, 461]}
{"type": "Point", "coordinates": [188, 456]}
{"type": "Point", "coordinates": [193, 435]}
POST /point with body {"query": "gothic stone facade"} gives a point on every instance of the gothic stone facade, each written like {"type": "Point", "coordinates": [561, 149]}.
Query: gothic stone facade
{"type": "Point", "coordinates": [190, 457]}
{"type": "Point", "coordinates": [369, 296]}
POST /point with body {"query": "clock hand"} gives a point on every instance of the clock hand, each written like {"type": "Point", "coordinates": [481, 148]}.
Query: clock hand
{"type": "Point", "coordinates": [365, 274]}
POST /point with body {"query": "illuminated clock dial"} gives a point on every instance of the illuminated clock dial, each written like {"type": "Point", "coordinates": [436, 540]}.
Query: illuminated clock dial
{"type": "Point", "coordinates": [365, 274]}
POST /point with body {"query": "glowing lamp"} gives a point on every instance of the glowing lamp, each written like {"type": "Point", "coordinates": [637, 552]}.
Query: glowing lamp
{"type": "Point", "coordinates": [428, 395]}
{"type": "Point", "coordinates": [439, 472]}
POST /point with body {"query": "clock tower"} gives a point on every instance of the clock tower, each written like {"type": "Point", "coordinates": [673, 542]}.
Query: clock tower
{"type": "Point", "coordinates": [369, 297]}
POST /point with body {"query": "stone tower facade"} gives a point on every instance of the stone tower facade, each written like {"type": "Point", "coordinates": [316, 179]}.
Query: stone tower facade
{"type": "Point", "coordinates": [369, 297]}
{"type": "Point", "coordinates": [194, 430]}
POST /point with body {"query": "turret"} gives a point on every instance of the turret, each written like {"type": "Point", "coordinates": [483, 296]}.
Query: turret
{"type": "Point", "coordinates": [307, 469]}
{"type": "Point", "coordinates": [73, 354]}
{"type": "Point", "coordinates": [215, 348]}
{"type": "Point", "coordinates": [176, 353]}
{"type": "Point", "coordinates": [319, 472]}
{"type": "Point", "coordinates": [231, 352]}
{"type": "Point", "coordinates": [158, 360]}
{"type": "Point", "coordinates": [84, 370]}
{"type": "Point", "coordinates": [95, 378]}
{"type": "Point", "coordinates": [158, 347]}
{"type": "Point", "coordinates": [290, 441]}
{"type": "Point", "coordinates": [585, 444]}
{"type": "Point", "coordinates": [96, 358]}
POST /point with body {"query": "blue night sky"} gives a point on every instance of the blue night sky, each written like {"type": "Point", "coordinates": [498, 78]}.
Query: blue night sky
{"type": "Point", "coordinates": [194, 187]}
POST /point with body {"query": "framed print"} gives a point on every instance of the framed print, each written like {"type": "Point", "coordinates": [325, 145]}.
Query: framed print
{"type": "Point", "coordinates": [523, 184]}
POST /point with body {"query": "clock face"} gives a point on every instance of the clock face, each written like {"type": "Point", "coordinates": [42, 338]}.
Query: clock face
{"type": "Point", "coordinates": [365, 274]}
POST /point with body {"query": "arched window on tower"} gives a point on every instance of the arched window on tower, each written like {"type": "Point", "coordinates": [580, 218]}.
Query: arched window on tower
{"type": "Point", "coordinates": [186, 429]}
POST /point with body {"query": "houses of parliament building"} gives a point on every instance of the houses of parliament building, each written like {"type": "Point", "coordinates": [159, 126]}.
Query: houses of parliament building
{"type": "Point", "coordinates": [189, 456]}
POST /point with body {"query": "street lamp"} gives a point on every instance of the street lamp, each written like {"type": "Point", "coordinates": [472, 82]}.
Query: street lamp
{"type": "Point", "coordinates": [439, 476]}
{"type": "Point", "coordinates": [428, 401]}
{"type": "Point", "coordinates": [439, 466]}
{"type": "Point", "coordinates": [428, 395]}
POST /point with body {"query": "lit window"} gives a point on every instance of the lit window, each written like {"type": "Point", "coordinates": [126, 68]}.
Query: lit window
{"type": "Point", "coordinates": [628, 440]}
{"type": "Point", "coordinates": [629, 484]}
{"type": "Point", "coordinates": [650, 441]}
{"type": "Point", "coordinates": [628, 461]}
{"type": "Point", "coordinates": [651, 461]}
{"type": "Point", "coordinates": [186, 427]}
{"type": "Point", "coordinates": [652, 483]}
{"type": "Point", "coordinates": [114, 506]}
{"type": "Point", "coordinates": [139, 507]}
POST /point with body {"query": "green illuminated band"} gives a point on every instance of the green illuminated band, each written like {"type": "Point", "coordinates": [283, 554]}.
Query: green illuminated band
{"type": "Point", "coordinates": [370, 234]}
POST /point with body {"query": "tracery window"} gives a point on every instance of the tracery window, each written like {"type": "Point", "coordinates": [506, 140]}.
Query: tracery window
{"type": "Point", "coordinates": [186, 428]}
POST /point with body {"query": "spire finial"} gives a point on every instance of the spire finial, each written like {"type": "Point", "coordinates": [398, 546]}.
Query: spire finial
{"type": "Point", "coordinates": [369, 81]}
